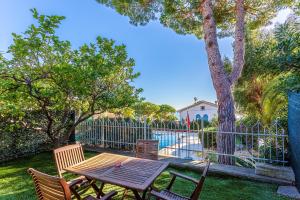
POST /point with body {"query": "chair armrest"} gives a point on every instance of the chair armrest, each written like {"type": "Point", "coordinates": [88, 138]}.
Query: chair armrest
{"type": "Point", "coordinates": [74, 182]}
{"type": "Point", "coordinates": [184, 177]}
{"type": "Point", "coordinates": [158, 195]}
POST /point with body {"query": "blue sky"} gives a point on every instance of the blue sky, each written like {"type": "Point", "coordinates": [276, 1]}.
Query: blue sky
{"type": "Point", "coordinates": [173, 67]}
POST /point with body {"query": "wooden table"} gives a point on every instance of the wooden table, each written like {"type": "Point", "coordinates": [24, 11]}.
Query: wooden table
{"type": "Point", "coordinates": [135, 174]}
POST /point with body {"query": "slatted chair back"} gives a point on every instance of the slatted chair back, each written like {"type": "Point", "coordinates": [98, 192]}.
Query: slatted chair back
{"type": "Point", "coordinates": [198, 189]}
{"type": "Point", "coordinates": [147, 149]}
{"type": "Point", "coordinates": [50, 187]}
{"type": "Point", "coordinates": [67, 156]}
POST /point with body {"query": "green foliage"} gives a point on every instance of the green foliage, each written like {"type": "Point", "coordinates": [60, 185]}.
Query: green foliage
{"type": "Point", "coordinates": [271, 70]}
{"type": "Point", "coordinates": [19, 135]}
{"type": "Point", "coordinates": [184, 16]}
{"type": "Point", "coordinates": [45, 75]}
{"type": "Point", "coordinates": [166, 112]}
{"type": "Point", "coordinates": [287, 36]}
{"type": "Point", "coordinates": [154, 112]}
{"type": "Point", "coordinates": [146, 109]}
{"type": "Point", "coordinates": [143, 109]}
{"type": "Point", "coordinates": [248, 121]}
{"type": "Point", "coordinates": [296, 8]}
{"type": "Point", "coordinates": [214, 122]}
{"type": "Point", "coordinates": [227, 65]}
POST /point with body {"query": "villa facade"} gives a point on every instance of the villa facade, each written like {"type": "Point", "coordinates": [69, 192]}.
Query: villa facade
{"type": "Point", "coordinates": [198, 110]}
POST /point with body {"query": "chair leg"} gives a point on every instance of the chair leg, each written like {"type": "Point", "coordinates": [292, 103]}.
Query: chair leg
{"type": "Point", "coordinates": [98, 191]}
{"type": "Point", "coordinates": [136, 194]}
{"type": "Point", "coordinates": [75, 193]}
{"type": "Point", "coordinates": [149, 196]}
{"type": "Point", "coordinates": [152, 187]}
{"type": "Point", "coordinates": [144, 194]}
{"type": "Point", "coordinates": [101, 189]}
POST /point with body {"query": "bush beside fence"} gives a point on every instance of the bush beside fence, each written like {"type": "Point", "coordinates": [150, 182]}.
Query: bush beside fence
{"type": "Point", "coordinates": [117, 134]}
{"type": "Point", "coordinates": [22, 143]}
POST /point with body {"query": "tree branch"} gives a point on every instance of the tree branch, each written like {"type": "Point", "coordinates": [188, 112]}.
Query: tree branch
{"type": "Point", "coordinates": [239, 42]}
{"type": "Point", "coordinates": [216, 66]}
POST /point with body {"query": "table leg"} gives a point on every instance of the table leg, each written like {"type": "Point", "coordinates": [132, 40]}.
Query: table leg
{"type": "Point", "coordinates": [144, 194]}
{"type": "Point", "coordinates": [137, 195]}
{"type": "Point", "coordinates": [101, 189]}
{"type": "Point", "coordinates": [97, 190]}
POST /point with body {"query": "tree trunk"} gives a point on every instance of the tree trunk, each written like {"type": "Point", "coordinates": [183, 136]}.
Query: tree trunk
{"type": "Point", "coordinates": [71, 131]}
{"type": "Point", "coordinates": [222, 82]}
{"type": "Point", "coordinates": [225, 136]}
{"type": "Point", "coordinates": [59, 138]}
{"type": "Point", "coordinates": [57, 143]}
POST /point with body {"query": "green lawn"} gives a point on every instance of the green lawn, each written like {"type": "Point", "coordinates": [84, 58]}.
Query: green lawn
{"type": "Point", "coordinates": [16, 184]}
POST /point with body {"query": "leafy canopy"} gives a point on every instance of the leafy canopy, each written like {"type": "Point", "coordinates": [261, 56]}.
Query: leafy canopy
{"type": "Point", "coordinates": [271, 70]}
{"type": "Point", "coordinates": [45, 74]}
{"type": "Point", "coordinates": [166, 112]}
{"type": "Point", "coordinates": [184, 17]}
{"type": "Point", "coordinates": [148, 110]}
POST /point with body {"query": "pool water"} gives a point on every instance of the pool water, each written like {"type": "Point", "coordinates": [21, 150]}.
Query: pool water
{"type": "Point", "coordinates": [166, 140]}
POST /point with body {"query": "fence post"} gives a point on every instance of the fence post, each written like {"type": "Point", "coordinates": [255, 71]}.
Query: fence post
{"type": "Point", "coordinates": [202, 137]}
{"type": "Point", "coordinates": [145, 128]}
{"type": "Point", "coordinates": [103, 132]}
{"type": "Point", "coordinates": [187, 142]}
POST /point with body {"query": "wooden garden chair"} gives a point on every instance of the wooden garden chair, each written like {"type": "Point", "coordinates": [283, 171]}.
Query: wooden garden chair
{"type": "Point", "coordinates": [68, 156]}
{"type": "Point", "coordinates": [166, 194]}
{"type": "Point", "coordinates": [54, 188]}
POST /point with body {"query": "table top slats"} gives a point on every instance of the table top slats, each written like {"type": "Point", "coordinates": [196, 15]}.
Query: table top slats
{"type": "Point", "coordinates": [134, 173]}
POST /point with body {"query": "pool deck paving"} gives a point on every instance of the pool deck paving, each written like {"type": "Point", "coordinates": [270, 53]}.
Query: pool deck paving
{"type": "Point", "coordinates": [187, 149]}
{"type": "Point", "coordinates": [215, 168]}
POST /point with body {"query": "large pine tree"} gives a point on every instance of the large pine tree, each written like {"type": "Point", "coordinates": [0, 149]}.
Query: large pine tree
{"type": "Point", "coordinates": [209, 19]}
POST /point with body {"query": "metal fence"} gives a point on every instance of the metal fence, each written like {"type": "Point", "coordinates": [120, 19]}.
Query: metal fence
{"type": "Point", "coordinates": [252, 143]}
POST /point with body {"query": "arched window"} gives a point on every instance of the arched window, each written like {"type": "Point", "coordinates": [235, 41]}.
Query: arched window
{"type": "Point", "coordinates": [198, 117]}
{"type": "Point", "coordinates": [205, 117]}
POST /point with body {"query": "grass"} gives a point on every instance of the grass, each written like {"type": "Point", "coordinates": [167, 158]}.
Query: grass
{"type": "Point", "coordinates": [16, 184]}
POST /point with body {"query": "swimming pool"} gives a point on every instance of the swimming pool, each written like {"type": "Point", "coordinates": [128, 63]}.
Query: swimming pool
{"type": "Point", "coordinates": [167, 139]}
